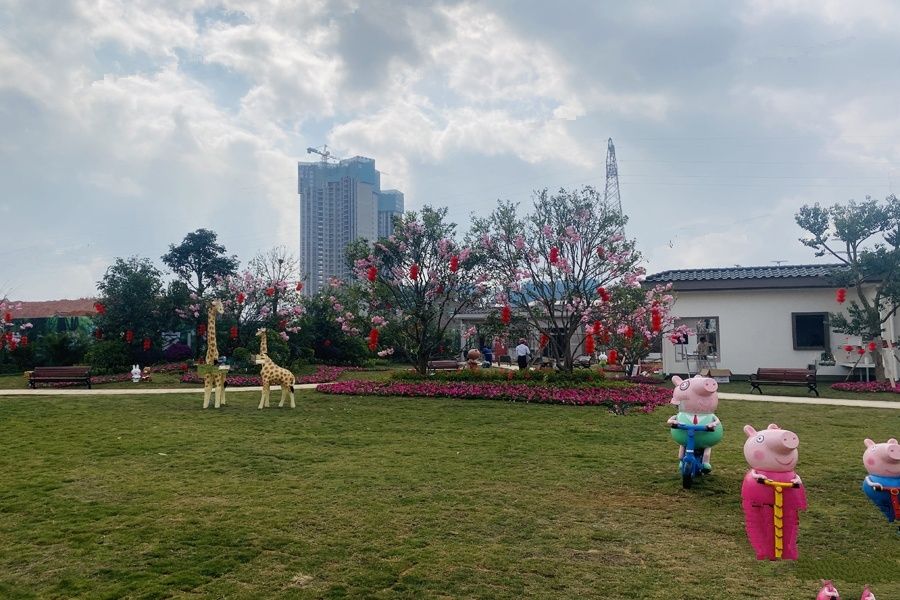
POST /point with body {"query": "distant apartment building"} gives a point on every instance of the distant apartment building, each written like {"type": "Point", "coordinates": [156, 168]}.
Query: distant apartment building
{"type": "Point", "coordinates": [340, 202]}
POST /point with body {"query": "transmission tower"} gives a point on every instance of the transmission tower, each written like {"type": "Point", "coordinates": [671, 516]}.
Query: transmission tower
{"type": "Point", "coordinates": [611, 196]}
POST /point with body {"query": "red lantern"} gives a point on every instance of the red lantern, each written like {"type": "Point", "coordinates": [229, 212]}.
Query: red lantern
{"type": "Point", "coordinates": [655, 320]}
{"type": "Point", "coordinates": [505, 315]}
{"type": "Point", "coordinates": [233, 332]}
{"type": "Point", "coordinates": [589, 344]}
{"type": "Point", "coordinates": [373, 339]}
{"type": "Point", "coordinates": [454, 263]}
{"type": "Point", "coordinates": [147, 344]}
{"type": "Point", "coordinates": [270, 291]}
{"type": "Point", "coordinates": [602, 293]}
{"type": "Point", "coordinates": [629, 332]}
{"type": "Point", "coordinates": [601, 253]}
{"type": "Point", "coordinates": [201, 329]}
{"type": "Point", "coordinates": [860, 350]}
{"type": "Point", "coordinates": [129, 336]}
{"type": "Point", "coordinates": [597, 328]}
{"type": "Point", "coordinates": [241, 297]}
{"type": "Point", "coordinates": [372, 274]}
{"type": "Point", "coordinates": [841, 295]}
{"type": "Point", "coordinates": [612, 356]}
{"type": "Point", "coordinates": [327, 343]}
{"type": "Point", "coordinates": [554, 254]}
{"type": "Point", "coordinates": [23, 341]}
{"type": "Point", "coordinates": [7, 317]}
{"type": "Point", "coordinates": [848, 348]}
{"type": "Point", "coordinates": [299, 287]}
{"type": "Point", "coordinates": [544, 340]}
{"type": "Point", "coordinates": [98, 333]}
{"type": "Point", "coordinates": [414, 272]}
{"type": "Point", "coordinates": [99, 308]}
{"type": "Point", "coordinates": [872, 346]}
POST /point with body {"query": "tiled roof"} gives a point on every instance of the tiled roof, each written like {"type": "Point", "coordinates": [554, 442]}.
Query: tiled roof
{"type": "Point", "coordinates": [734, 273]}
{"type": "Point", "coordinates": [82, 307]}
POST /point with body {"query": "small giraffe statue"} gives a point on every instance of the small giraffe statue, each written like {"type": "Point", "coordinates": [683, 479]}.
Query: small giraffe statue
{"type": "Point", "coordinates": [272, 373]}
{"type": "Point", "coordinates": [212, 377]}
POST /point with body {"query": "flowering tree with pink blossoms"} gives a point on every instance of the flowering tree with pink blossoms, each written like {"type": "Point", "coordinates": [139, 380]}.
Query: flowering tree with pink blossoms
{"type": "Point", "coordinates": [559, 264]}
{"type": "Point", "coordinates": [419, 279]}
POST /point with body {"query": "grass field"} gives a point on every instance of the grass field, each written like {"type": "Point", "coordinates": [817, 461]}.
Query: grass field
{"type": "Point", "coordinates": [151, 497]}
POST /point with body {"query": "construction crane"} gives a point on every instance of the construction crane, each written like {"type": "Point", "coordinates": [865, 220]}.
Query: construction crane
{"type": "Point", "coordinates": [324, 153]}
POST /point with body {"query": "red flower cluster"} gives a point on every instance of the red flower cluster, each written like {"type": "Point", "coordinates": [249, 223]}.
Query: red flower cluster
{"type": "Point", "coordinates": [603, 294]}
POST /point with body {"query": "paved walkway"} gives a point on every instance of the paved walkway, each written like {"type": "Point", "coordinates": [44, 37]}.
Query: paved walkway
{"type": "Point", "coordinates": [138, 391]}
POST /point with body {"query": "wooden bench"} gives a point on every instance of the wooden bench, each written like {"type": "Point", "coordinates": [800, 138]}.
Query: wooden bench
{"type": "Point", "coordinates": [60, 375]}
{"type": "Point", "coordinates": [443, 365]}
{"type": "Point", "coordinates": [769, 376]}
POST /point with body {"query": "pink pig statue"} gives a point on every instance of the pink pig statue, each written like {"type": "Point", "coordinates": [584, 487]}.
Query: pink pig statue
{"type": "Point", "coordinates": [772, 493]}
{"type": "Point", "coordinates": [828, 591]}
{"type": "Point", "coordinates": [867, 594]}
{"type": "Point", "coordinates": [697, 400]}
{"type": "Point", "coordinates": [882, 484]}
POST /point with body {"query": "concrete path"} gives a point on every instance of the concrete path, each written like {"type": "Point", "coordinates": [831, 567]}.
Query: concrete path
{"type": "Point", "coordinates": [813, 401]}
{"type": "Point", "coordinates": [138, 391]}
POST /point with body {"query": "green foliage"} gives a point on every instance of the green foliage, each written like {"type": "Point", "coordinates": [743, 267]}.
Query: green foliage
{"type": "Point", "coordinates": [23, 357]}
{"type": "Point", "coordinates": [199, 259]}
{"type": "Point", "coordinates": [241, 360]}
{"type": "Point", "coordinates": [59, 349]}
{"type": "Point", "coordinates": [321, 338]}
{"type": "Point", "coordinates": [109, 357]}
{"type": "Point", "coordinates": [132, 292]}
{"type": "Point", "coordinates": [864, 238]}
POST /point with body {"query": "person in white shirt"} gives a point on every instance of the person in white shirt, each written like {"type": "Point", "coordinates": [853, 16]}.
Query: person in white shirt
{"type": "Point", "coordinates": [522, 353]}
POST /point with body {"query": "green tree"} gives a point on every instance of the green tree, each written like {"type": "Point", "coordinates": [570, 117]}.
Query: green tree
{"type": "Point", "coordinates": [864, 238]}
{"type": "Point", "coordinates": [131, 292]}
{"type": "Point", "coordinates": [199, 260]}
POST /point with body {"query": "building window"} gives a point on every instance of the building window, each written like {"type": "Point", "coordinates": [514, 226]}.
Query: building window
{"type": "Point", "coordinates": [702, 340]}
{"type": "Point", "coordinates": [810, 331]}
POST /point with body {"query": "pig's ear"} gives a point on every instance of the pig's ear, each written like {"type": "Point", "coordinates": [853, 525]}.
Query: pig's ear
{"type": "Point", "coordinates": [677, 380]}
{"type": "Point", "coordinates": [892, 441]}
{"type": "Point", "coordinates": [869, 443]}
{"type": "Point", "coordinates": [773, 426]}
{"type": "Point", "coordinates": [748, 429]}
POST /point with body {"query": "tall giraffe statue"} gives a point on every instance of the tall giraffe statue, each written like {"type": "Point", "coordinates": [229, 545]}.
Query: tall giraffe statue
{"type": "Point", "coordinates": [213, 375]}
{"type": "Point", "coordinates": [272, 373]}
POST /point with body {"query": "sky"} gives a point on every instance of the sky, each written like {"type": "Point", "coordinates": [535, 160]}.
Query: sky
{"type": "Point", "coordinates": [124, 125]}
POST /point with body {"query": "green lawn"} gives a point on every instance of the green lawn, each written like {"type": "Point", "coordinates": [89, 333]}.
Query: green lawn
{"type": "Point", "coordinates": [152, 497]}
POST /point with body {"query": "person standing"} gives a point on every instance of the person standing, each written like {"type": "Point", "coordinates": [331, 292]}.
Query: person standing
{"type": "Point", "coordinates": [522, 353]}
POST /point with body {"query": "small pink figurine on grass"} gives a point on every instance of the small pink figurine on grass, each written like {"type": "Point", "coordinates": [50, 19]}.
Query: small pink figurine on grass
{"type": "Point", "coordinates": [882, 484]}
{"type": "Point", "coordinates": [772, 493]}
{"type": "Point", "coordinates": [828, 591]}
{"type": "Point", "coordinates": [867, 594]}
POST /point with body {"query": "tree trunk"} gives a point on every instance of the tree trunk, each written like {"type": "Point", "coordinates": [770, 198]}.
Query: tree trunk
{"type": "Point", "coordinates": [880, 375]}
{"type": "Point", "coordinates": [422, 364]}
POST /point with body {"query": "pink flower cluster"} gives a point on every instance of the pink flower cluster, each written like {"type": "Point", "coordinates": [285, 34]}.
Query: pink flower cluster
{"type": "Point", "coordinates": [865, 386]}
{"type": "Point", "coordinates": [323, 374]}
{"type": "Point", "coordinates": [644, 398]}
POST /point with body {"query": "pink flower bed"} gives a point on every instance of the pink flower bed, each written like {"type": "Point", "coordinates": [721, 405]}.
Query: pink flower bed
{"type": "Point", "coordinates": [639, 397]}
{"type": "Point", "coordinates": [865, 386]}
{"type": "Point", "coordinates": [323, 374]}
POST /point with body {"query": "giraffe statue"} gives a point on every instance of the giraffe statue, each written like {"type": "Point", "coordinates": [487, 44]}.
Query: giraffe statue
{"type": "Point", "coordinates": [213, 376]}
{"type": "Point", "coordinates": [272, 373]}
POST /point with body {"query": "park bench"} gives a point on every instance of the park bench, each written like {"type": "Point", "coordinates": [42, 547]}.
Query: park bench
{"type": "Point", "coordinates": [443, 365]}
{"type": "Point", "coordinates": [60, 375]}
{"type": "Point", "coordinates": [768, 376]}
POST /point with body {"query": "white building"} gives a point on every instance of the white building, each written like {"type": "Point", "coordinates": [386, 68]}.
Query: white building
{"type": "Point", "coordinates": [754, 317]}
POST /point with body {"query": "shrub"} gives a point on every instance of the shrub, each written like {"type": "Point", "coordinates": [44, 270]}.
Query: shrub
{"type": "Point", "coordinates": [60, 349]}
{"type": "Point", "coordinates": [177, 352]}
{"type": "Point", "coordinates": [541, 377]}
{"type": "Point", "coordinates": [109, 356]}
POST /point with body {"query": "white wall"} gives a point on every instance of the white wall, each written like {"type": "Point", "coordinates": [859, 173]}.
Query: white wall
{"type": "Point", "coordinates": [755, 328]}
